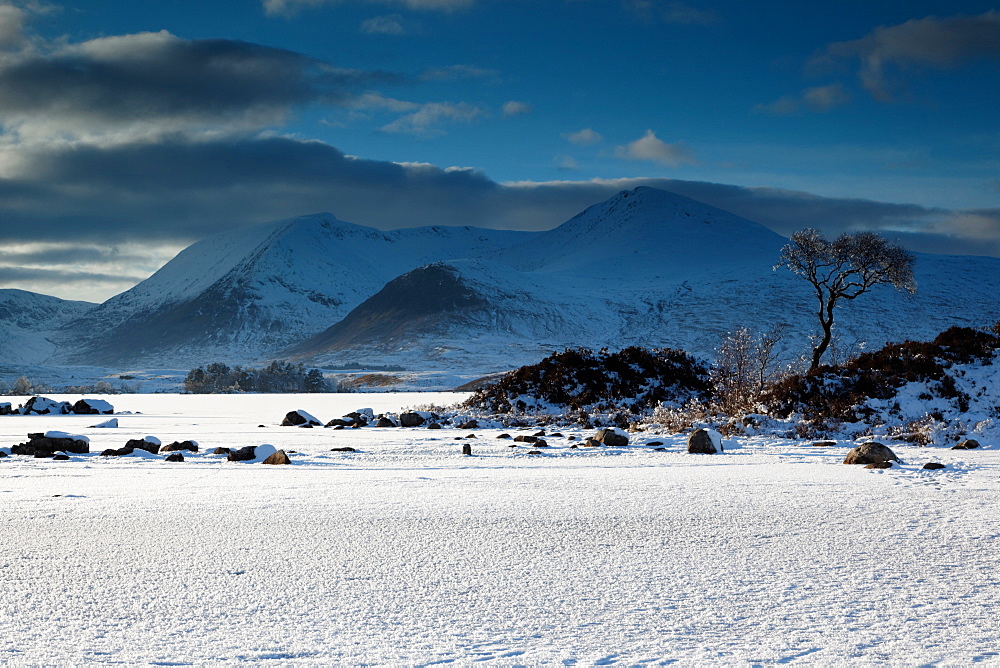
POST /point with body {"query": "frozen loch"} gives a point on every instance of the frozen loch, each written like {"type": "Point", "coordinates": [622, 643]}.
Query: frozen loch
{"type": "Point", "coordinates": [405, 552]}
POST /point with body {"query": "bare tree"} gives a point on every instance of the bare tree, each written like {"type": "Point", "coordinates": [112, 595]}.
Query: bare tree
{"type": "Point", "coordinates": [845, 268]}
{"type": "Point", "coordinates": [744, 364]}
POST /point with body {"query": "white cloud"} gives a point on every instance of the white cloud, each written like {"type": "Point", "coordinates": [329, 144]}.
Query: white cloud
{"type": "Point", "coordinates": [649, 148]}
{"type": "Point", "coordinates": [515, 108]}
{"type": "Point", "coordinates": [12, 21]}
{"type": "Point", "coordinates": [566, 163]}
{"type": "Point", "coordinates": [817, 98]}
{"type": "Point", "coordinates": [426, 119]}
{"type": "Point", "coordinates": [585, 137]}
{"type": "Point", "coordinates": [384, 25]}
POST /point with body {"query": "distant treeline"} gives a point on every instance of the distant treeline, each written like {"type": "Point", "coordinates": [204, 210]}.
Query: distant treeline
{"type": "Point", "coordinates": [219, 378]}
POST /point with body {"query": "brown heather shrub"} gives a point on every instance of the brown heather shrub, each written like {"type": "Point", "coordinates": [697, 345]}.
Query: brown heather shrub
{"type": "Point", "coordinates": [625, 383]}
{"type": "Point", "coordinates": [837, 392]}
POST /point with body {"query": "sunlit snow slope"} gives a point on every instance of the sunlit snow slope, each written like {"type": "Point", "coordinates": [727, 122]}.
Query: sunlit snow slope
{"type": "Point", "coordinates": [27, 320]}
{"type": "Point", "coordinates": [245, 294]}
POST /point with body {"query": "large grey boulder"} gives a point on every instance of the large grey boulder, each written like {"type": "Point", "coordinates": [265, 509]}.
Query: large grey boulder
{"type": "Point", "coordinates": [411, 419]}
{"type": "Point", "coordinates": [870, 453]}
{"type": "Point", "coordinates": [611, 437]}
{"type": "Point", "coordinates": [704, 442]}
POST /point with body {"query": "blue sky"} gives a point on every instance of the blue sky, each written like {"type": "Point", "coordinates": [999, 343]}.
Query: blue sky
{"type": "Point", "coordinates": [128, 130]}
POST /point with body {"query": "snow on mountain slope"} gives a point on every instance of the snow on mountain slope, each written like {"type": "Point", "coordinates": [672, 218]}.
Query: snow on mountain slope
{"type": "Point", "coordinates": [644, 268]}
{"type": "Point", "coordinates": [244, 294]}
{"type": "Point", "coordinates": [27, 321]}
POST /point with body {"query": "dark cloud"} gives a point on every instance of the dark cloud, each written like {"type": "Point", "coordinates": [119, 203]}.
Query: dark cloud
{"type": "Point", "coordinates": [160, 79]}
{"type": "Point", "coordinates": [57, 276]}
{"type": "Point", "coordinates": [941, 43]}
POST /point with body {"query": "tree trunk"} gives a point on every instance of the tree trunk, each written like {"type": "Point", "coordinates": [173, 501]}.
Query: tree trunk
{"type": "Point", "coordinates": [826, 321]}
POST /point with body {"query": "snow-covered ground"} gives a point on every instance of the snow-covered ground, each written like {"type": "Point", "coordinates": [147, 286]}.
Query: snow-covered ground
{"type": "Point", "coordinates": [408, 553]}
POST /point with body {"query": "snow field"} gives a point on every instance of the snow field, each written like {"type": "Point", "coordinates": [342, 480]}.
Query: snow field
{"type": "Point", "coordinates": [407, 553]}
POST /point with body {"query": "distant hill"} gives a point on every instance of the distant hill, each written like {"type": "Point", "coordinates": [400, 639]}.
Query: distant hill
{"type": "Point", "coordinates": [27, 322]}
{"type": "Point", "coordinates": [646, 267]}
{"type": "Point", "coordinates": [246, 294]}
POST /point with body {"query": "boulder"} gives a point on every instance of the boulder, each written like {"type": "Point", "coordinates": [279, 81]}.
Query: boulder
{"type": "Point", "coordinates": [469, 424]}
{"type": "Point", "coordinates": [467, 449]}
{"type": "Point", "coordinates": [338, 422]}
{"type": "Point", "coordinates": [540, 443]}
{"type": "Point", "coordinates": [612, 437]}
{"type": "Point", "coordinates": [824, 444]}
{"type": "Point", "coordinates": [6, 408]}
{"type": "Point", "coordinates": [592, 443]}
{"type": "Point", "coordinates": [178, 446]}
{"type": "Point", "coordinates": [539, 433]}
{"type": "Point", "coordinates": [411, 419]}
{"type": "Point", "coordinates": [2, 454]}
{"type": "Point", "coordinates": [524, 438]}
{"type": "Point", "coordinates": [92, 407]}
{"type": "Point", "coordinates": [870, 453]}
{"type": "Point", "coordinates": [107, 424]}
{"type": "Point", "coordinates": [933, 466]}
{"type": "Point", "coordinates": [244, 454]}
{"type": "Point", "coordinates": [51, 442]}
{"type": "Point", "coordinates": [277, 458]}
{"type": "Point", "coordinates": [45, 406]}
{"type": "Point", "coordinates": [433, 425]}
{"type": "Point", "coordinates": [150, 444]}
{"type": "Point", "coordinates": [967, 444]}
{"type": "Point", "coordinates": [346, 448]}
{"type": "Point", "coordinates": [299, 417]}
{"type": "Point", "coordinates": [221, 451]}
{"type": "Point", "coordinates": [174, 457]}
{"type": "Point", "coordinates": [119, 452]}
{"type": "Point", "coordinates": [879, 465]}
{"type": "Point", "coordinates": [705, 442]}
{"type": "Point", "coordinates": [385, 422]}
{"type": "Point", "coordinates": [60, 458]}
{"type": "Point", "coordinates": [534, 452]}
{"type": "Point", "coordinates": [503, 436]}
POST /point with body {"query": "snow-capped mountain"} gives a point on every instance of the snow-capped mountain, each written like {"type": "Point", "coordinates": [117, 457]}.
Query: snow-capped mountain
{"type": "Point", "coordinates": [646, 267]}
{"type": "Point", "coordinates": [245, 294]}
{"type": "Point", "coordinates": [27, 321]}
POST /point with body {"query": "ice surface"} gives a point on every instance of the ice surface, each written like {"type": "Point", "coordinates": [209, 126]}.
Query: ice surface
{"type": "Point", "coordinates": [408, 553]}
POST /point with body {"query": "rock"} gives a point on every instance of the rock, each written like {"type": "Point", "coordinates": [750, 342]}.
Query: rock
{"type": "Point", "coordinates": [539, 433]}
{"type": "Point", "coordinates": [574, 446]}
{"type": "Point", "coordinates": [243, 454]}
{"type": "Point", "coordinates": [524, 438]}
{"type": "Point", "coordinates": [6, 408]}
{"type": "Point", "coordinates": [221, 451]}
{"type": "Point", "coordinates": [469, 424]}
{"type": "Point", "coordinates": [178, 446]}
{"type": "Point", "coordinates": [433, 425]}
{"type": "Point", "coordinates": [534, 452]}
{"type": "Point", "coordinates": [540, 443]}
{"type": "Point", "coordinates": [305, 426]}
{"type": "Point", "coordinates": [2, 454]}
{"type": "Point", "coordinates": [471, 436]}
{"type": "Point", "coordinates": [358, 419]}
{"type": "Point", "coordinates": [555, 435]}
{"type": "Point", "coordinates": [92, 407]}
{"type": "Point", "coordinates": [120, 452]}
{"type": "Point", "coordinates": [824, 444]}
{"type": "Point", "coordinates": [654, 443]}
{"type": "Point", "coordinates": [45, 406]}
{"type": "Point", "coordinates": [411, 419]}
{"type": "Point", "coordinates": [933, 466]}
{"type": "Point", "coordinates": [338, 427]}
{"type": "Point", "coordinates": [385, 422]}
{"type": "Point", "coordinates": [174, 457]}
{"type": "Point", "coordinates": [704, 442]}
{"type": "Point", "coordinates": [870, 453]}
{"type": "Point", "coordinates": [339, 422]}
{"type": "Point", "coordinates": [967, 444]}
{"type": "Point", "coordinates": [612, 437]}
{"type": "Point", "coordinates": [277, 458]}
{"type": "Point", "coordinates": [150, 444]}
{"type": "Point", "coordinates": [879, 465]}
{"type": "Point", "coordinates": [503, 436]}
{"type": "Point", "coordinates": [571, 438]}
{"type": "Point", "coordinates": [467, 449]}
{"type": "Point", "coordinates": [51, 442]}
{"type": "Point", "coordinates": [60, 458]}
{"type": "Point", "coordinates": [592, 443]}
{"type": "Point", "coordinates": [346, 448]}
{"type": "Point", "coordinates": [299, 417]}
{"type": "Point", "coordinates": [107, 424]}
